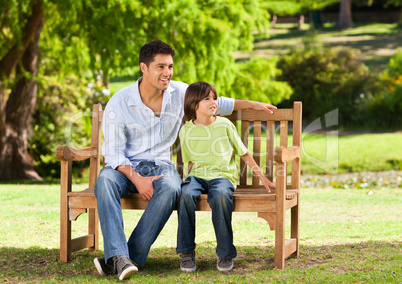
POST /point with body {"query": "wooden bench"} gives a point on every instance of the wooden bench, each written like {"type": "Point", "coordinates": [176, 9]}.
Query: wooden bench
{"type": "Point", "coordinates": [249, 196]}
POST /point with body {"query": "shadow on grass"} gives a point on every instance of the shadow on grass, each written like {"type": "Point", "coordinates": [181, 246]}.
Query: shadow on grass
{"type": "Point", "coordinates": [30, 181]}
{"type": "Point", "coordinates": [43, 265]}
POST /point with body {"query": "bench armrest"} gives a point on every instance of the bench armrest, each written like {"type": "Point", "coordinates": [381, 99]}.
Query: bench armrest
{"type": "Point", "coordinates": [288, 154]}
{"type": "Point", "coordinates": [66, 153]}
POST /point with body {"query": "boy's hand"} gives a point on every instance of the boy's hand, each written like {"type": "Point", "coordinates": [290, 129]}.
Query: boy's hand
{"type": "Point", "coordinates": [268, 184]}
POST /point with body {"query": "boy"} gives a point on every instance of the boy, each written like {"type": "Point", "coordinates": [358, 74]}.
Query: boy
{"type": "Point", "coordinates": [208, 143]}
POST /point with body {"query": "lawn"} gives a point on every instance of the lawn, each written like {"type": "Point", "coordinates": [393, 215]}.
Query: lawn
{"type": "Point", "coordinates": [347, 236]}
{"type": "Point", "coordinates": [351, 153]}
{"type": "Point", "coordinates": [334, 153]}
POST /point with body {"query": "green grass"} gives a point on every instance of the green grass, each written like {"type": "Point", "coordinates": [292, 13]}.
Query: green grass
{"type": "Point", "coordinates": [334, 153]}
{"type": "Point", "coordinates": [347, 236]}
{"type": "Point", "coordinates": [351, 153]}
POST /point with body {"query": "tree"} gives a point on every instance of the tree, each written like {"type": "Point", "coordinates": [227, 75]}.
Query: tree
{"type": "Point", "coordinates": [103, 37]}
{"type": "Point", "coordinates": [16, 112]}
{"type": "Point", "coordinates": [345, 14]}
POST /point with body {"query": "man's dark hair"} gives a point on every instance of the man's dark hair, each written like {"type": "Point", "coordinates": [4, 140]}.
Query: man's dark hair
{"type": "Point", "coordinates": [151, 49]}
{"type": "Point", "coordinates": [195, 93]}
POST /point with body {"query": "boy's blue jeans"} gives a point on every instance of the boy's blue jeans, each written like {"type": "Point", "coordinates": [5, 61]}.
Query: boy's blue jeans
{"type": "Point", "coordinates": [220, 199]}
{"type": "Point", "coordinates": [111, 186]}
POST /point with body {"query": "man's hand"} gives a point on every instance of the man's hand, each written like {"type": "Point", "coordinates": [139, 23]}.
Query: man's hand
{"type": "Point", "coordinates": [265, 107]}
{"type": "Point", "coordinates": [242, 104]}
{"type": "Point", "coordinates": [145, 186]}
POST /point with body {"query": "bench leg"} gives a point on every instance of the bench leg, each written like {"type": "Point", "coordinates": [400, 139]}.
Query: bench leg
{"type": "Point", "coordinates": [93, 227]}
{"type": "Point", "coordinates": [280, 215]}
{"type": "Point", "coordinates": [65, 223]}
{"type": "Point", "coordinates": [294, 225]}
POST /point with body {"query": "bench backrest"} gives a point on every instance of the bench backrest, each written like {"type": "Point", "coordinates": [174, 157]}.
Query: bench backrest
{"type": "Point", "coordinates": [260, 132]}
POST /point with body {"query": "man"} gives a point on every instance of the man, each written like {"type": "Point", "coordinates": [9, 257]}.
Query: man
{"type": "Point", "coordinates": [140, 125]}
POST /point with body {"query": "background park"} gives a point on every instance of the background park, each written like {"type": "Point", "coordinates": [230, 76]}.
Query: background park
{"type": "Point", "coordinates": [58, 58]}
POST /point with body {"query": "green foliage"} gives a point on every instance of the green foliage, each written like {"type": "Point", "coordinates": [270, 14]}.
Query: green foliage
{"type": "Point", "coordinates": [326, 79]}
{"type": "Point", "coordinates": [296, 7]}
{"type": "Point", "coordinates": [11, 22]}
{"type": "Point", "coordinates": [203, 33]}
{"type": "Point", "coordinates": [283, 8]}
{"type": "Point", "coordinates": [62, 117]}
{"type": "Point", "coordinates": [382, 107]}
{"type": "Point", "coordinates": [255, 81]}
{"type": "Point", "coordinates": [96, 39]}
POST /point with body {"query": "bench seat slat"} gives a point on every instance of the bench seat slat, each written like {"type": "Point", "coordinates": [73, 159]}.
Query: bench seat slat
{"type": "Point", "coordinates": [242, 202]}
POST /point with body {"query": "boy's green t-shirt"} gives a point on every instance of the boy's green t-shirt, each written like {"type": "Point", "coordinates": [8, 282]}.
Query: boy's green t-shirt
{"type": "Point", "coordinates": [211, 149]}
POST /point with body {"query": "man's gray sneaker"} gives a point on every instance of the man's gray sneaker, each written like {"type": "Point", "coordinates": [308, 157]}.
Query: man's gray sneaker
{"type": "Point", "coordinates": [103, 268]}
{"type": "Point", "coordinates": [124, 267]}
{"type": "Point", "coordinates": [187, 262]}
{"type": "Point", "coordinates": [225, 264]}
{"type": "Point", "coordinates": [120, 265]}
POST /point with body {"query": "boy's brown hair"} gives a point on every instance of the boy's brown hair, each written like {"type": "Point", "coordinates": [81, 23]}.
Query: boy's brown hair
{"type": "Point", "coordinates": [195, 93]}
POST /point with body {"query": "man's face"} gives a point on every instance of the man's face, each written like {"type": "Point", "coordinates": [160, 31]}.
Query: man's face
{"type": "Point", "coordinates": [159, 72]}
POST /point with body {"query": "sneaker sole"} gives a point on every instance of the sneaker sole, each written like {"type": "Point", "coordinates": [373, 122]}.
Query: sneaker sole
{"type": "Point", "coordinates": [188, 269]}
{"type": "Point", "coordinates": [224, 268]}
{"type": "Point", "coordinates": [99, 267]}
{"type": "Point", "coordinates": [127, 273]}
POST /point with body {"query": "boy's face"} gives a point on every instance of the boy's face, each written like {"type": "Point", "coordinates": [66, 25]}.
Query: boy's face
{"type": "Point", "coordinates": [207, 106]}
{"type": "Point", "coordinates": [159, 72]}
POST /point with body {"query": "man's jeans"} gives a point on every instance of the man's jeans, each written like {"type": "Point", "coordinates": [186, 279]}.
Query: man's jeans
{"type": "Point", "coordinates": [220, 199]}
{"type": "Point", "coordinates": [111, 186]}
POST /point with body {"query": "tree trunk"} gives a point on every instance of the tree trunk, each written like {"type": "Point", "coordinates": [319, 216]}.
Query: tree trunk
{"type": "Point", "coordinates": [345, 14]}
{"type": "Point", "coordinates": [15, 161]}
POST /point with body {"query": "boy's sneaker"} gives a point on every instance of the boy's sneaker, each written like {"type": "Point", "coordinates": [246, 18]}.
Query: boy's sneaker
{"type": "Point", "coordinates": [187, 262]}
{"type": "Point", "coordinates": [225, 264]}
{"type": "Point", "coordinates": [103, 268]}
{"type": "Point", "coordinates": [124, 267]}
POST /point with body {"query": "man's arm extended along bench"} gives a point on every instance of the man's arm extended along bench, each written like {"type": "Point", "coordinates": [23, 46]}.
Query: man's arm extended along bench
{"type": "Point", "coordinates": [249, 196]}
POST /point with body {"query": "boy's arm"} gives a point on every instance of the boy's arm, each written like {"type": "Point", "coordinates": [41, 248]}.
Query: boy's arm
{"type": "Point", "coordinates": [190, 166]}
{"type": "Point", "coordinates": [248, 159]}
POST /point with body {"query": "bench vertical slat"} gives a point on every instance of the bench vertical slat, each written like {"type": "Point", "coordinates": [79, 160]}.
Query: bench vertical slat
{"type": "Point", "coordinates": [256, 149]}
{"type": "Point", "coordinates": [179, 164]}
{"type": "Point", "coordinates": [295, 211]}
{"type": "Point", "coordinates": [94, 166]}
{"type": "Point", "coordinates": [94, 169]}
{"type": "Point", "coordinates": [270, 150]}
{"type": "Point", "coordinates": [284, 134]}
{"type": "Point", "coordinates": [297, 125]}
{"type": "Point", "coordinates": [244, 138]}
